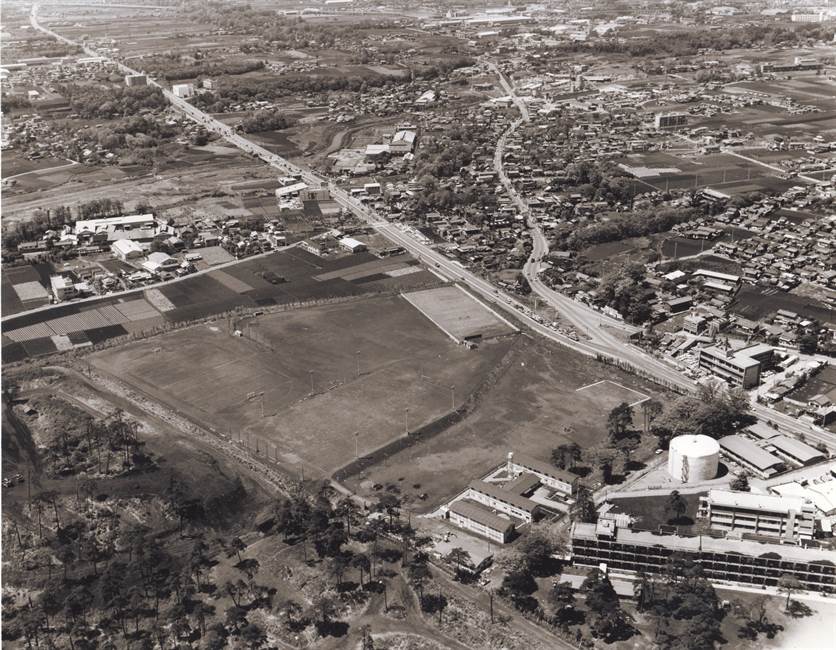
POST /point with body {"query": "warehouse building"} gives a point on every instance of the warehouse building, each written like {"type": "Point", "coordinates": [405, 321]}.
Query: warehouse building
{"type": "Point", "coordinates": [746, 453]}
{"type": "Point", "coordinates": [734, 560]}
{"type": "Point", "coordinates": [126, 249]}
{"type": "Point", "coordinates": [789, 519]}
{"type": "Point", "coordinates": [158, 263]}
{"type": "Point", "coordinates": [794, 451]}
{"type": "Point", "coordinates": [474, 517]}
{"type": "Point", "coordinates": [352, 245]}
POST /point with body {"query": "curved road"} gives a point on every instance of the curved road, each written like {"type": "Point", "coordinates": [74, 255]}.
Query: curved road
{"type": "Point", "coordinates": [585, 319]}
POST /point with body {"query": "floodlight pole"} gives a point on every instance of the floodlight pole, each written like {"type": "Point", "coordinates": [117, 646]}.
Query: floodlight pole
{"type": "Point", "coordinates": [406, 421]}
{"type": "Point", "coordinates": [452, 398]}
{"type": "Point", "coordinates": [356, 450]}
{"type": "Point", "coordinates": [358, 362]}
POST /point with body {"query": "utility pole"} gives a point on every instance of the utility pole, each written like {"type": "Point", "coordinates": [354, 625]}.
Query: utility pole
{"type": "Point", "coordinates": [406, 421]}
{"type": "Point", "coordinates": [490, 595]}
{"type": "Point", "coordinates": [452, 398]}
{"type": "Point", "coordinates": [356, 448]}
{"type": "Point", "coordinates": [358, 362]}
{"type": "Point", "coordinates": [310, 374]}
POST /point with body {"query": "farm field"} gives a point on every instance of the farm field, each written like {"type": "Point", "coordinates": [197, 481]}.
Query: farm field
{"type": "Point", "coordinates": [758, 302]}
{"type": "Point", "coordinates": [823, 383]}
{"type": "Point", "coordinates": [722, 172]}
{"type": "Point", "coordinates": [533, 407]}
{"type": "Point", "coordinates": [280, 278]}
{"type": "Point", "coordinates": [305, 362]}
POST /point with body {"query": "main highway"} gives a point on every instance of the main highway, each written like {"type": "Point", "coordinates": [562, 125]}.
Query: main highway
{"type": "Point", "coordinates": [595, 329]}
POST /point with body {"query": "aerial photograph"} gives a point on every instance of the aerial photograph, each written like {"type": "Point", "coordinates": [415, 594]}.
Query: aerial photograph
{"type": "Point", "coordinates": [430, 325]}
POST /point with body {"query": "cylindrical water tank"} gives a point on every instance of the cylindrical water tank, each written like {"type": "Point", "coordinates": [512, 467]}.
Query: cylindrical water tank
{"type": "Point", "coordinates": [693, 458]}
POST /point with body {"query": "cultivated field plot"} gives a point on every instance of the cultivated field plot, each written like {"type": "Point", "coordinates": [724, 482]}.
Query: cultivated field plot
{"type": "Point", "coordinates": [305, 363]}
{"type": "Point", "coordinates": [281, 278]}
{"type": "Point", "coordinates": [723, 172]}
{"type": "Point", "coordinates": [23, 288]}
{"type": "Point", "coordinates": [458, 314]}
{"type": "Point", "coordinates": [533, 407]}
{"type": "Point", "coordinates": [758, 302]}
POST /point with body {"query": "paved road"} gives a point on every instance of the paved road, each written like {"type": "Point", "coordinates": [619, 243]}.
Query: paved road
{"type": "Point", "coordinates": [587, 321]}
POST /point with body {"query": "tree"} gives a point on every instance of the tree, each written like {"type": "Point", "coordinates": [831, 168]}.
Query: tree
{"type": "Point", "coordinates": [459, 557]}
{"type": "Point", "coordinates": [536, 550]}
{"type": "Point", "coordinates": [808, 343]}
{"type": "Point", "coordinates": [789, 584]}
{"type": "Point", "coordinates": [326, 606]}
{"type": "Point", "coordinates": [600, 594]}
{"type": "Point", "coordinates": [238, 545]}
{"type": "Point", "coordinates": [584, 508]}
{"type": "Point", "coordinates": [565, 456]}
{"type": "Point", "coordinates": [362, 564]}
{"type": "Point", "coordinates": [619, 420]}
{"type": "Point", "coordinates": [677, 505]}
{"type": "Point", "coordinates": [253, 635]}
{"type": "Point", "coordinates": [740, 482]}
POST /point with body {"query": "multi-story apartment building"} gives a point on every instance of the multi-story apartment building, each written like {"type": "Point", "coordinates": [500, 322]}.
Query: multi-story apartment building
{"type": "Point", "coordinates": [731, 560]}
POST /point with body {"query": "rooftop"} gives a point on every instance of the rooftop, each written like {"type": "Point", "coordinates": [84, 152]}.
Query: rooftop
{"type": "Point", "coordinates": [749, 501]}
{"type": "Point", "coordinates": [803, 452]}
{"type": "Point", "coordinates": [480, 514]}
{"type": "Point", "coordinates": [496, 492]}
{"type": "Point", "coordinates": [750, 452]}
{"type": "Point", "coordinates": [706, 544]}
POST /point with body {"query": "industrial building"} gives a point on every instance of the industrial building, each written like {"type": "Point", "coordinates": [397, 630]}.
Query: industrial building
{"type": "Point", "coordinates": [183, 91]}
{"type": "Point", "coordinates": [352, 245]}
{"type": "Point", "coordinates": [139, 227]}
{"type": "Point", "coordinates": [670, 120]}
{"type": "Point", "coordinates": [741, 368]}
{"type": "Point", "coordinates": [735, 560]}
{"type": "Point", "coordinates": [749, 455]}
{"type": "Point", "coordinates": [126, 249]}
{"type": "Point", "coordinates": [133, 80]}
{"type": "Point", "coordinates": [472, 516]}
{"type": "Point", "coordinates": [794, 451]}
{"type": "Point", "coordinates": [790, 519]}
{"type": "Point", "coordinates": [160, 263]}
{"type": "Point", "coordinates": [693, 458]}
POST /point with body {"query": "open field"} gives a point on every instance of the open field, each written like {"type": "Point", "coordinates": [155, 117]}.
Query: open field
{"type": "Point", "coordinates": [458, 314]}
{"type": "Point", "coordinates": [306, 364]}
{"type": "Point", "coordinates": [608, 394]}
{"type": "Point", "coordinates": [533, 407]}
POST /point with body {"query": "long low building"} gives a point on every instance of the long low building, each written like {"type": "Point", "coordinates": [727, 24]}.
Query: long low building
{"type": "Point", "coordinates": [473, 516]}
{"type": "Point", "coordinates": [732, 560]}
{"type": "Point", "coordinates": [788, 519]}
{"type": "Point", "coordinates": [751, 456]}
{"type": "Point", "coordinates": [549, 475]}
{"type": "Point", "coordinates": [794, 451]}
{"type": "Point", "coordinates": [501, 500]}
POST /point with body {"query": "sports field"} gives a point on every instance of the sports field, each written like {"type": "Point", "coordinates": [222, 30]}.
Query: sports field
{"type": "Point", "coordinates": [548, 395]}
{"type": "Point", "coordinates": [303, 366]}
{"type": "Point", "coordinates": [458, 314]}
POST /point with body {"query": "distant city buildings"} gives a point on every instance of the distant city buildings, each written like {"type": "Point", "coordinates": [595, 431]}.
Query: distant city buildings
{"type": "Point", "coordinates": [670, 120]}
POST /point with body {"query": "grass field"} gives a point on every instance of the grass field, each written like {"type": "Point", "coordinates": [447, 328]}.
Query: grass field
{"type": "Point", "coordinates": [758, 302]}
{"type": "Point", "coordinates": [306, 368]}
{"type": "Point", "coordinates": [534, 406]}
